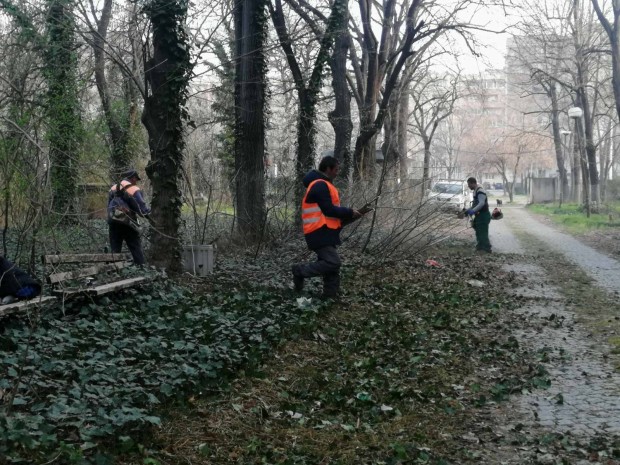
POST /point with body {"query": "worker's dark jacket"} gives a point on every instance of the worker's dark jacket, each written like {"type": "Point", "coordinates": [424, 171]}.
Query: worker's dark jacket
{"type": "Point", "coordinates": [479, 190]}
{"type": "Point", "coordinates": [129, 197]}
{"type": "Point", "coordinates": [320, 194]}
{"type": "Point", "coordinates": [13, 279]}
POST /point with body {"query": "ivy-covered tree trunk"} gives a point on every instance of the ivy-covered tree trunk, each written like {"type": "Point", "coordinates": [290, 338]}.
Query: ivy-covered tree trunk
{"type": "Point", "coordinates": [224, 106]}
{"type": "Point", "coordinates": [63, 115]}
{"type": "Point", "coordinates": [167, 72]}
{"type": "Point", "coordinates": [250, 32]}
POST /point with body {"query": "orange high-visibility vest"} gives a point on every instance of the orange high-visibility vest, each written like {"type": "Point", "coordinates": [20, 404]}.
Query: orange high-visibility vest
{"type": "Point", "coordinates": [311, 215]}
{"type": "Point", "coordinates": [131, 190]}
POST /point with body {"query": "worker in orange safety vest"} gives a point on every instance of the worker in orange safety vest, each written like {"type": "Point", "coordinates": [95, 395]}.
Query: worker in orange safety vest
{"type": "Point", "coordinates": [322, 218]}
{"type": "Point", "coordinates": [125, 205]}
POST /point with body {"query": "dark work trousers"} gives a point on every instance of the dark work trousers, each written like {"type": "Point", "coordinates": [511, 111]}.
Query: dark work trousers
{"type": "Point", "coordinates": [481, 225]}
{"type": "Point", "coordinates": [120, 233]}
{"type": "Point", "coordinates": [327, 265]}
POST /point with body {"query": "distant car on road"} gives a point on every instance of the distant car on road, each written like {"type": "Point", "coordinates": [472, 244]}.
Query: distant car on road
{"type": "Point", "coordinates": [450, 195]}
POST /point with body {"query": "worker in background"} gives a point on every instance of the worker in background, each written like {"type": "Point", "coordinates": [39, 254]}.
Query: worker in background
{"type": "Point", "coordinates": [125, 205]}
{"type": "Point", "coordinates": [322, 218]}
{"type": "Point", "coordinates": [481, 216]}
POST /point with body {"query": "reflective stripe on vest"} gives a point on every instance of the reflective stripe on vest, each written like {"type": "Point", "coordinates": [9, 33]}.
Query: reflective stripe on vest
{"type": "Point", "coordinates": [311, 215]}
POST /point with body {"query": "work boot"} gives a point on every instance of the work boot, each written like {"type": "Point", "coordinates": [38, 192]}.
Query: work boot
{"type": "Point", "coordinates": [298, 281]}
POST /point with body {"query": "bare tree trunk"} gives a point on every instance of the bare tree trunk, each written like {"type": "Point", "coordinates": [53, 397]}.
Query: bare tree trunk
{"type": "Point", "coordinates": [557, 140]}
{"type": "Point", "coordinates": [390, 146]}
{"type": "Point", "coordinates": [605, 157]}
{"type": "Point", "coordinates": [340, 117]}
{"type": "Point", "coordinates": [576, 168]}
{"type": "Point", "coordinates": [250, 23]}
{"type": "Point", "coordinates": [364, 154]}
{"type": "Point", "coordinates": [119, 127]}
{"type": "Point", "coordinates": [511, 186]}
{"type": "Point", "coordinates": [306, 133]}
{"type": "Point", "coordinates": [403, 120]}
{"type": "Point", "coordinates": [590, 147]}
{"type": "Point", "coordinates": [426, 166]}
{"type": "Point", "coordinates": [583, 103]}
{"type": "Point", "coordinates": [614, 41]}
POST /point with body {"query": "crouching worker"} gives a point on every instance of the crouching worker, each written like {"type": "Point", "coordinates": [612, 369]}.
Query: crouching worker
{"type": "Point", "coordinates": [322, 218]}
{"type": "Point", "coordinates": [15, 283]}
{"type": "Point", "coordinates": [125, 205]}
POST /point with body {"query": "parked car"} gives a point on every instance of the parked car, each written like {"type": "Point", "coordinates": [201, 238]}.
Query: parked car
{"type": "Point", "coordinates": [450, 195]}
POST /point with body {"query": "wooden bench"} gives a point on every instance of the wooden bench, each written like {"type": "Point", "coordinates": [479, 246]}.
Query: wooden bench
{"type": "Point", "coordinates": [64, 282]}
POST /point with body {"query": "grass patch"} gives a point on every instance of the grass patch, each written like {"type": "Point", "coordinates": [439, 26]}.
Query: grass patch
{"type": "Point", "coordinates": [573, 217]}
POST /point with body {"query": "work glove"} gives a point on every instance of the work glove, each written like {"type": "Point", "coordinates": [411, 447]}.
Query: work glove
{"type": "Point", "coordinates": [470, 212]}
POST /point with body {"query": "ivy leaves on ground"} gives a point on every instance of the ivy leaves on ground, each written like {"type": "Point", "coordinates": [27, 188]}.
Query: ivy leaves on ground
{"type": "Point", "coordinates": [102, 369]}
{"type": "Point", "coordinates": [396, 373]}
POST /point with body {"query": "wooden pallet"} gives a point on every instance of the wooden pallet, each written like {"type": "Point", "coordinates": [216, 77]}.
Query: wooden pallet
{"type": "Point", "coordinates": [22, 305]}
{"type": "Point", "coordinates": [59, 279]}
{"type": "Point", "coordinates": [103, 263]}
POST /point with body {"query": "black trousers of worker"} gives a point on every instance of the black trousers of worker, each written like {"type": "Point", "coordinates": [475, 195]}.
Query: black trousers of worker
{"type": "Point", "coordinates": [120, 233]}
{"type": "Point", "coordinates": [327, 265]}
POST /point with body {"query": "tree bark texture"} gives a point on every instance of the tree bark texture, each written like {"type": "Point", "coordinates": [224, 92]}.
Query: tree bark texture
{"type": "Point", "coordinates": [164, 114]}
{"type": "Point", "coordinates": [373, 113]}
{"type": "Point", "coordinates": [390, 135]}
{"type": "Point", "coordinates": [308, 92]}
{"type": "Point", "coordinates": [340, 117]}
{"type": "Point", "coordinates": [118, 122]}
{"type": "Point", "coordinates": [612, 31]}
{"type": "Point", "coordinates": [426, 168]}
{"type": "Point", "coordinates": [403, 121]}
{"type": "Point", "coordinates": [250, 106]}
{"type": "Point", "coordinates": [557, 139]}
{"type": "Point", "coordinates": [582, 101]}
{"type": "Point", "coordinates": [590, 147]}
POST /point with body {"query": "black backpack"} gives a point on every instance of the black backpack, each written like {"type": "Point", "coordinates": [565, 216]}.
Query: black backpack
{"type": "Point", "coordinates": [120, 212]}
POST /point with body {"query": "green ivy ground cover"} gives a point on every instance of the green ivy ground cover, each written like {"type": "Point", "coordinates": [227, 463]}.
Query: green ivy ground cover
{"type": "Point", "coordinates": [394, 374]}
{"type": "Point", "coordinates": [99, 371]}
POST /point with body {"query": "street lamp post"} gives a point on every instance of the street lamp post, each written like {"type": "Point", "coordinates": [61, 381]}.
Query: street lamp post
{"type": "Point", "coordinates": [576, 114]}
